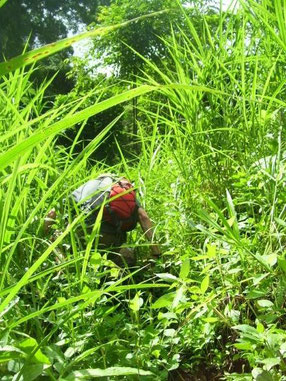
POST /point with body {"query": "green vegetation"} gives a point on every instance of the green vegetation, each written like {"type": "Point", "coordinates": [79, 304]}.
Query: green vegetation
{"type": "Point", "coordinates": [208, 158]}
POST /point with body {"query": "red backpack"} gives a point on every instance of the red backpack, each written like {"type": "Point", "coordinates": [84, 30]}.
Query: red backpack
{"type": "Point", "coordinates": [121, 210]}
{"type": "Point", "coordinates": [121, 207]}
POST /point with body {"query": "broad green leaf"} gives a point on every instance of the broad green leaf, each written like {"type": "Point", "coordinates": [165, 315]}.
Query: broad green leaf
{"type": "Point", "coordinates": [283, 349]}
{"type": "Point", "coordinates": [156, 353]}
{"type": "Point", "coordinates": [195, 290]}
{"type": "Point", "coordinates": [185, 269]}
{"type": "Point", "coordinates": [178, 297]}
{"type": "Point", "coordinates": [28, 345]}
{"type": "Point", "coordinates": [255, 294]}
{"type": "Point", "coordinates": [270, 362]}
{"type": "Point", "coordinates": [271, 259]}
{"type": "Point", "coordinates": [260, 328]}
{"type": "Point", "coordinates": [280, 222]}
{"type": "Point", "coordinates": [70, 352]}
{"type": "Point", "coordinates": [261, 375]}
{"type": "Point", "coordinates": [136, 302]}
{"type": "Point", "coordinates": [95, 259]}
{"type": "Point", "coordinates": [245, 328]}
{"type": "Point", "coordinates": [265, 303]}
{"type": "Point", "coordinates": [235, 271]}
{"type": "Point", "coordinates": [243, 346]}
{"type": "Point", "coordinates": [9, 352]}
{"type": "Point", "coordinates": [9, 348]}
{"type": "Point", "coordinates": [167, 315]}
{"type": "Point", "coordinates": [206, 269]}
{"type": "Point", "coordinates": [32, 372]}
{"type": "Point", "coordinates": [231, 221]}
{"type": "Point", "coordinates": [164, 301]}
{"type": "Point", "coordinates": [47, 50]}
{"type": "Point", "coordinates": [211, 250]}
{"type": "Point", "coordinates": [249, 331]}
{"type": "Point", "coordinates": [205, 284]}
{"type": "Point", "coordinates": [167, 277]}
{"type": "Point", "coordinates": [169, 332]}
{"type": "Point", "coordinates": [87, 374]}
{"type": "Point", "coordinates": [257, 279]}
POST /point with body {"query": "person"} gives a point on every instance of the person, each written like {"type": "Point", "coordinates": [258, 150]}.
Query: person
{"type": "Point", "coordinates": [121, 211]}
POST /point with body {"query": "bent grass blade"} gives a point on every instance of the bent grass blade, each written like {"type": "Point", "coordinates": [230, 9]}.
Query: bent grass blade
{"type": "Point", "coordinates": [67, 122]}
{"type": "Point", "coordinates": [47, 50]}
{"type": "Point", "coordinates": [2, 2]}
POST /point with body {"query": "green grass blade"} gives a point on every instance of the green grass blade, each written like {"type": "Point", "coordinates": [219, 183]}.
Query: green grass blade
{"type": "Point", "coordinates": [2, 2]}
{"type": "Point", "coordinates": [47, 50]}
{"type": "Point", "coordinates": [69, 121]}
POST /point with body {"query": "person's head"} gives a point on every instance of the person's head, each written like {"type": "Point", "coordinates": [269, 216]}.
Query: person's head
{"type": "Point", "coordinates": [124, 181]}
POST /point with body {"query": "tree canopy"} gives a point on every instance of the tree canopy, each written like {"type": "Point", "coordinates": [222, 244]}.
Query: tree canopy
{"type": "Point", "coordinates": [42, 21]}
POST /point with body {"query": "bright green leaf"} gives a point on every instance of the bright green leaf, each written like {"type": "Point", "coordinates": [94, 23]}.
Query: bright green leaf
{"type": "Point", "coordinates": [249, 331]}
{"type": "Point", "coordinates": [28, 345]}
{"type": "Point", "coordinates": [199, 257]}
{"type": "Point", "coordinates": [261, 375]}
{"type": "Point", "coordinates": [33, 371]}
{"type": "Point", "coordinates": [255, 294]}
{"type": "Point", "coordinates": [270, 259]}
{"type": "Point", "coordinates": [270, 362]}
{"type": "Point", "coordinates": [86, 374]}
{"type": "Point", "coordinates": [167, 277]}
{"type": "Point", "coordinates": [211, 251]}
{"type": "Point", "coordinates": [243, 346]}
{"type": "Point", "coordinates": [280, 222]}
{"type": "Point", "coordinates": [164, 301]}
{"type": "Point", "coordinates": [260, 327]}
{"type": "Point", "coordinates": [205, 284]}
{"type": "Point", "coordinates": [8, 352]}
{"type": "Point", "coordinates": [136, 302]}
{"type": "Point", "coordinates": [265, 303]}
{"type": "Point", "coordinates": [169, 332]}
{"type": "Point", "coordinates": [210, 320]}
{"type": "Point", "coordinates": [231, 221]}
{"type": "Point", "coordinates": [185, 269]}
{"type": "Point", "coordinates": [156, 353]}
{"type": "Point", "coordinates": [178, 297]}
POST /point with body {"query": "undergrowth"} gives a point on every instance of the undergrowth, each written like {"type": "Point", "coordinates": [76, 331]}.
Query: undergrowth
{"type": "Point", "coordinates": [211, 174]}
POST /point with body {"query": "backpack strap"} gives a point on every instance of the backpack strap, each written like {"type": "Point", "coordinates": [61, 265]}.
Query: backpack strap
{"type": "Point", "coordinates": [115, 220]}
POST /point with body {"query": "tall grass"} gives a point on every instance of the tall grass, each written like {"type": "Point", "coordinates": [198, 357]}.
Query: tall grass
{"type": "Point", "coordinates": [211, 173]}
{"type": "Point", "coordinates": [221, 153]}
{"type": "Point", "coordinates": [37, 175]}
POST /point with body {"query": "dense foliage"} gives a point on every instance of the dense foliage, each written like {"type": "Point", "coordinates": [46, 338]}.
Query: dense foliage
{"type": "Point", "coordinates": [41, 22]}
{"type": "Point", "coordinates": [208, 160]}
